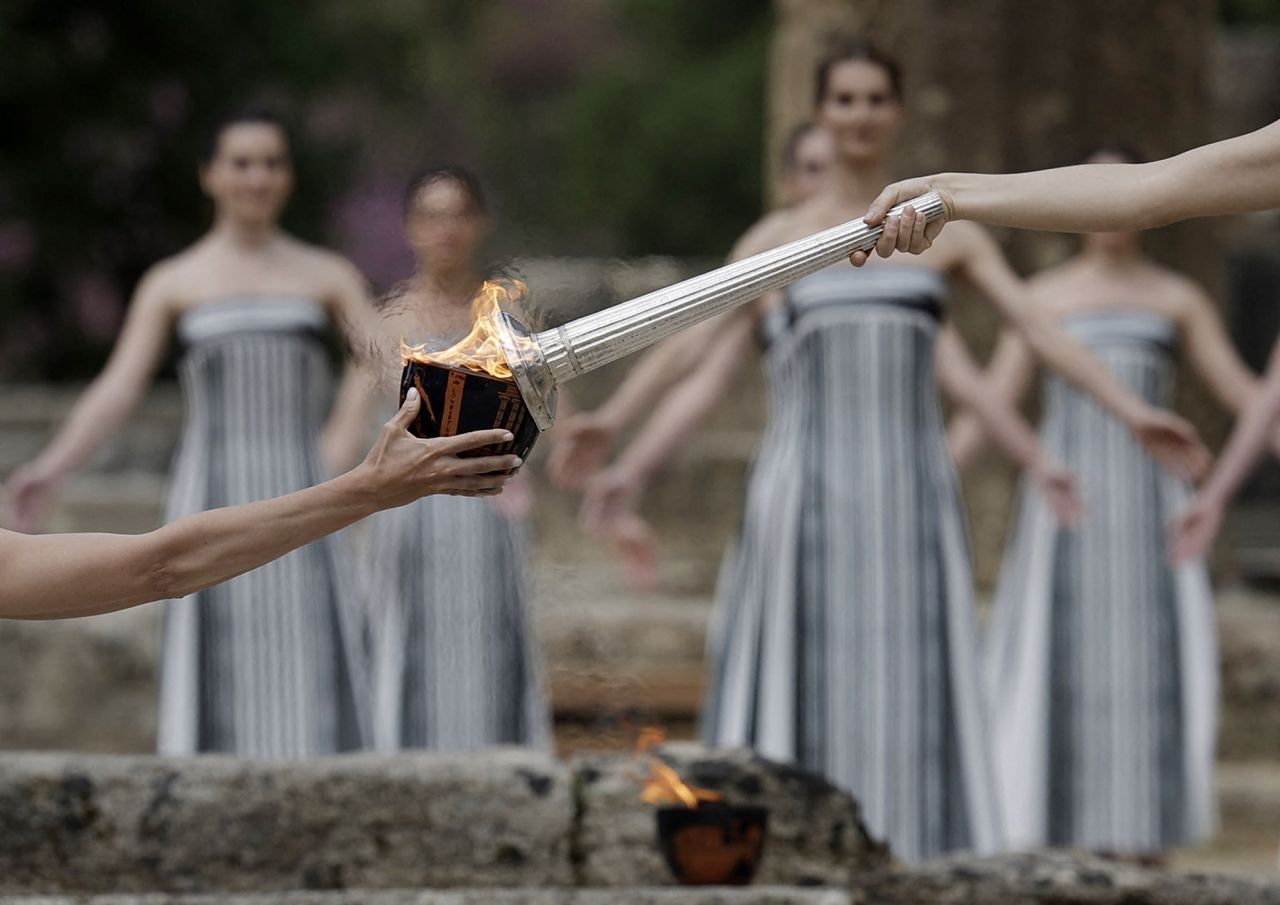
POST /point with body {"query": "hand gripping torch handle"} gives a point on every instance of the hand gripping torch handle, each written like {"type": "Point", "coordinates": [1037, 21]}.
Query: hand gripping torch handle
{"type": "Point", "coordinates": [541, 361]}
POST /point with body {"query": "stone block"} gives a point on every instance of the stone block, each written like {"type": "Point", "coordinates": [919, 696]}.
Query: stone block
{"type": "Point", "coordinates": [117, 824]}
{"type": "Point", "coordinates": [814, 837]}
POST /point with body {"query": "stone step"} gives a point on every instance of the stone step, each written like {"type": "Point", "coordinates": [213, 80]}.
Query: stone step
{"type": "Point", "coordinates": [757, 895]}
{"type": "Point", "coordinates": [507, 818]}
{"type": "Point", "coordinates": [1248, 839]}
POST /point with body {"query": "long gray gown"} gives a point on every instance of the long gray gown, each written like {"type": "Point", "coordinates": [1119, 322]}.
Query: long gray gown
{"type": "Point", "coordinates": [269, 664]}
{"type": "Point", "coordinates": [1102, 658]}
{"type": "Point", "coordinates": [844, 638]}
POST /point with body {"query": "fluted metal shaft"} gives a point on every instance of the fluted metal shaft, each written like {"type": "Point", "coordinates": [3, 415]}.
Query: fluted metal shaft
{"type": "Point", "coordinates": [590, 342]}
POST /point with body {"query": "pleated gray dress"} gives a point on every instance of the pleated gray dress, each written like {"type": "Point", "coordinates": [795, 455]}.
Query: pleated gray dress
{"type": "Point", "coordinates": [1102, 659]}
{"type": "Point", "coordinates": [269, 664]}
{"type": "Point", "coordinates": [844, 638]}
{"type": "Point", "coordinates": [456, 666]}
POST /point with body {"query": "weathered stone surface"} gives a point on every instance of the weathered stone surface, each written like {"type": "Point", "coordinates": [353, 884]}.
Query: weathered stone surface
{"type": "Point", "coordinates": [1249, 634]}
{"type": "Point", "coordinates": [1056, 879]}
{"type": "Point", "coordinates": [815, 837]}
{"type": "Point", "coordinates": [776, 895]}
{"type": "Point", "coordinates": [108, 824]}
{"type": "Point", "coordinates": [85, 685]}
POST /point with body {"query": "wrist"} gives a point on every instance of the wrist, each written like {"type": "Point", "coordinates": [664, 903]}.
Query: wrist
{"type": "Point", "coordinates": [956, 191]}
{"type": "Point", "coordinates": [361, 488]}
{"type": "Point", "coordinates": [1041, 466]}
{"type": "Point", "coordinates": [610, 419]}
{"type": "Point", "coordinates": [46, 470]}
{"type": "Point", "coordinates": [635, 469]}
{"type": "Point", "coordinates": [1133, 412]}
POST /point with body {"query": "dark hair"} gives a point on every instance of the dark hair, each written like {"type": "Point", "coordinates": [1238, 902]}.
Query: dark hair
{"type": "Point", "coordinates": [459, 176]}
{"type": "Point", "coordinates": [256, 116]}
{"type": "Point", "coordinates": [856, 51]}
{"type": "Point", "coordinates": [792, 146]}
{"type": "Point", "coordinates": [1115, 149]}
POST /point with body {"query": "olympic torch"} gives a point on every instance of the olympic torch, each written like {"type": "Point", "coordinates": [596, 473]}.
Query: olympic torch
{"type": "Point", "coordinates": [503, 375]}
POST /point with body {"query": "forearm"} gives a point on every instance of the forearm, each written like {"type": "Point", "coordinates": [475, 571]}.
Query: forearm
{"type": "Point", "coordinates": [1233, 176]}
{"type": "Point", "coordinates": [652, 377]}
{"type": "Point", "coordinates": [688, 407]}
{"type": "Point", "coordinates": [966, 439]}
{"type": "Point", "coordinates": [1077, 365]}
{"type": "Point", "coordinates": [97, 415]}
{"type": "Point", "coordinates": [1010, 431]}
{"type": "Point", "coordinates": [345, 437]}
{"type": "Point", "coordinates": [1085, 198]}
{"type": "Point", "coordinates": [986, 410]}
{"type": "Point", "coordinates": [88, 574]}
{"type": "Point", "coordinates": [1251, 435]}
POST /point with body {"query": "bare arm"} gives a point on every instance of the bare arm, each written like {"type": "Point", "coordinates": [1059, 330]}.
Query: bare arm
{"type": "Point", "coordinates": [1007, 377]}
{"type": "Point", "coordinates": [656, 373]}
{"type": "Point", "coordinates": [1168, 437]}
{"type": "Point", "coordinates": [61, 576]}
{"type": "Point", "coordinates": [612, 493]}
{"type": "Point", "coordinates": [346, 432]}
{"type": "Point", "coordinates": [1213, 357]}
{"type": "Point", "coordinates": [587, 440]}
{"type": "Point", "coordinates": [1228, 177]}
{"type": "Point", "coordinates": [1195, 530]}
{"type": "Point", "coordinates": [962, 380]}
{"type": "Point", "coordinates": [107, 403]}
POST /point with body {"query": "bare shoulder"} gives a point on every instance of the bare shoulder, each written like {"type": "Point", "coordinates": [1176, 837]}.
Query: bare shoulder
{"type": "Point", "coordinates": [1055, 278]}
{"type": "Point", "coordinates": [1188, 301]}
{"type": "Point", "coordinates": [166, 283]}
{"type": "Point", "coordinates": [770, 231]}
{"type": "Point", "coordinates": [325, 263]}
{"type": "Point", "coordinates": [1058, 287]}
{"type": "Point", "coordinates": [333, 277]}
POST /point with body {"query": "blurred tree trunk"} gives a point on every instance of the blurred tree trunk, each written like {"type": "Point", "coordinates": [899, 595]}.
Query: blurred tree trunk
{"type": "Point", "coordinates": [1001, 85]}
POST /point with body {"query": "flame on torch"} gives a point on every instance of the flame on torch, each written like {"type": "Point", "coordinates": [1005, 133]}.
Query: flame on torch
{"type": "Point", "coordinates": [480, 350]}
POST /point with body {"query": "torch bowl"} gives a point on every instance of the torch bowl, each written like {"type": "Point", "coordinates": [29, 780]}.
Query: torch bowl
{"type": "Point", "coordinates": [457, 401]}
{"type": "Point", "coordinates": [712, 844]}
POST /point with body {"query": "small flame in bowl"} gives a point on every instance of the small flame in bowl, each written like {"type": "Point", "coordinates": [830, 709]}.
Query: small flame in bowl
{"type": "Point", "coordinates": [480, 350]}
{"type": "Point", "coordinates": [664, 785]}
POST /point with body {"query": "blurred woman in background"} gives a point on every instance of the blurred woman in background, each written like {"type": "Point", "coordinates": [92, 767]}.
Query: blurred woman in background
{"type": "Point", "coordinates": [1102, 663]}
{"type": "Point", "coordinates": [844, 639]}
{"type": "Point", "coordinates": [267, 665]}
{"type": "Point", "coordinates": [455, 662]}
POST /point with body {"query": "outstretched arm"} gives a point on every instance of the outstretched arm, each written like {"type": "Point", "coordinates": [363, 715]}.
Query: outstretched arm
{"type": "Point", "coordinates": [62, 576]}
{"type": "Point", "coordinates": [613, 492]}
{"type": "Point", "coordinates": [108, 402]}
{"type": "Point", "coordinates": [962, 380]}
{"type": "Point", "coordinates": [1215, 359]}
{"type": "Point", "coordinates": [1195, 530]}
{"type": "Point", "coordinates": [1228, 177]}
{"type": "Point", "coordinates": [1007, 378]}
{"type": "Point", "coordinates": [346, 431]}
{"type": "Point", "coordinates": [586, 440]}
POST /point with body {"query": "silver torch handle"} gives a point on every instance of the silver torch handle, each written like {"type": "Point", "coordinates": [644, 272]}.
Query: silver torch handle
{"type": "Point", "coordinates": [590, 342]}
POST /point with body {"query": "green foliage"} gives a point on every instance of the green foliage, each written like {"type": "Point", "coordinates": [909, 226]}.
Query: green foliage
{"type": "Point", "coordinates": [628, 127]}
{"type": "Point", "coordinates": [1264, 13]}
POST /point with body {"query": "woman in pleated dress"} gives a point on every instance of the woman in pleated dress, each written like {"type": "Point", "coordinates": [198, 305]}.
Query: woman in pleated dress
{"type": "Point", "coordinates": [1101, 662]}
{"type": "Point", "coordinates": [844, 638]}
{"type": "Point", "coordinates": [268, 665]}
{"type": "Point", "coordinates": [455, 664]}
